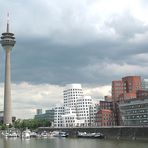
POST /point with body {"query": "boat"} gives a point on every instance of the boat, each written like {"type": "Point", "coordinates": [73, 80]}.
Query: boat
{"type": "Point", "coordinates": [90, 135]}
{"type": "Point", "coordinates": [33, 135]}
{"type": "Point", "coordinates": [59, 134]}
{"type": "Point", "coordinates": [13, 134]}
{"type": "Point", "coordinates": [99, 135]}
{"type": "Point", "coordinates": [26, 134]}
{"type": "Point", "coordinates": [44, 134]}
{"type": "Point", "coordinates": [9, 134]}
{"type": "Point", "coordinates": [63, 134]}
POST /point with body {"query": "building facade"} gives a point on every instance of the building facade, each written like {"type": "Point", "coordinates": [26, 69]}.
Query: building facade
{"type": "Point", "coordinates": [106, 105]}
{"type": "Point", "coordinates": [126, 88]}
{"type": "Point", "coordinates": [123, 90]}
{"type": "Point", "coordinates": [39, 111]}
{"type": "Point", "coordinates": [145, 84]}
{"type": "Point", "coordinates": [105, 117]}
{"type": "Point", "coordinates": [48, 115]}
{"type": "Point", "coordinates": [134, 112]}
{"type": "Point", "coordinates": [117, 89]}
{"type": "Point", "coordinates": [78, 110]}
{"type": "Point", "coordinates": [58, 112]}
{"type": "Point", "coordinates": [140, 94]}
{"type": "Point", "coordinates": [131, 84]}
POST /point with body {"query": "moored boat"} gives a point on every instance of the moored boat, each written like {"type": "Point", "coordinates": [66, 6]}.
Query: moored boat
{"type": "Point", "coordinates": [44, 134]}
{"type": "Point", "coordinates": [26, 134]}
{"type": "Point", "coordinates": [90, 135]}
{"type": "Point", "coordinates": [59, 134]}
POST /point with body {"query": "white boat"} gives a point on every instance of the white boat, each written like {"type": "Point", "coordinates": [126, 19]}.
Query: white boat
{"type": "Point", "coordinates": [26, 134]}
{"type": "Point", "coordinates": [9, 134]}
{"type": "Point", "coordinates": [54, 134]}
{"type": "Point", "coordinates": [59, 134]}
{"type": "Point", "coordinates": [90, 135]}
{"type": "Point", "coordinates": [44, 134]}
{"type": "Point", "coordinates": [63, 134]}
{"type": "Point", "coordinates": [13, 134]}
{"type": "Point", "coordinates": [5, 134]}
{"type": "Point", "coordinates": [33, 134]}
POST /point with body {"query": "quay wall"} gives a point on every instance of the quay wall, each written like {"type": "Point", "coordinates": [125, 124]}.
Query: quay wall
{"type": "Point", "coordinates": [133, 133]}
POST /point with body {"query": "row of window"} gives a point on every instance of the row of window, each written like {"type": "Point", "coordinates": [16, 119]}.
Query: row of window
{"type": "Point", "coordinates": [136, 116]}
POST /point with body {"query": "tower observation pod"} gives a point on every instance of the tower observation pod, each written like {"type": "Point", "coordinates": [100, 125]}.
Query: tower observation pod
{"type": "Point", "coordinates": [7, 41]}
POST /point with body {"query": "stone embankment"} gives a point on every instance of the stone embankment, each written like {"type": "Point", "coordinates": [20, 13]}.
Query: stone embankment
{"type": "Point", "coordinates": [117, 132]}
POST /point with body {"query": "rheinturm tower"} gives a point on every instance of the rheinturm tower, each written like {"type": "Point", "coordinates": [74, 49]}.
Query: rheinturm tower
{"type": "Point", "coordinates": [7, 42]}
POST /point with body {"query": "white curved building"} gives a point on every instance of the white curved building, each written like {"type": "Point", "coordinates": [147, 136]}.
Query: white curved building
{"type": "Point", "coordinates": [79, 110]}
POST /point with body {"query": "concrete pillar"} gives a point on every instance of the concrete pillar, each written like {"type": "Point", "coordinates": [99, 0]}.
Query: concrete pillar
{"type": "Point", "coordinates": [7, 90]}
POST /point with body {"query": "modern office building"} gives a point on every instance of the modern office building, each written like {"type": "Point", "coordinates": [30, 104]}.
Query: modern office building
{"type": "Point", "coordinates": [39, 111]}
{"type": "Point", "coordinates": [7, 42]}
{"type": "Point", "coordinates": [134, 112]}
{"type": "Point", "coordinates": [48, 115]}
{"type": "Point", "coordinates": [145, 84]}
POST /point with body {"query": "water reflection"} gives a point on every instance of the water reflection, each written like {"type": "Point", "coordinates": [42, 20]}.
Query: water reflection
{"type": "Point", "coordinates": [7, 143]}
{"type": "Point", "coordinates": [69, 143]}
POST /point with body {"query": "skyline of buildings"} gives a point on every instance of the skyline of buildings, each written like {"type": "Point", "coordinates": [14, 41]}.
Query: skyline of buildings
{"type": "Point", "coordinates": [79, 110]}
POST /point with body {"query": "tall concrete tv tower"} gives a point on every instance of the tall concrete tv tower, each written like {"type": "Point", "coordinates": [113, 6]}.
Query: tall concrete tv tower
{"type": "Point", "coordinates": [7, 42]}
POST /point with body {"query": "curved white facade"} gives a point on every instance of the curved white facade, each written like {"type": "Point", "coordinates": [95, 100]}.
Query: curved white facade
{"type": "Point", "coordinates": [71, 94]}
{"type": "Point", "coordinates": [78, 110]}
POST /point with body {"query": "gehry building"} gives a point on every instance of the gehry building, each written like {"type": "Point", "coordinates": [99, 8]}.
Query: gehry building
{"type": "Point", "coordinates": [78, 110]}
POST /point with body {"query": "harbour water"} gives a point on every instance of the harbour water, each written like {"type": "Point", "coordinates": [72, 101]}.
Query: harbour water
{"type": "Point", "coordinates": [69, 143]}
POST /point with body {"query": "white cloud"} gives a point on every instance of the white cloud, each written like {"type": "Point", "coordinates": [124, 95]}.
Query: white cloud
{"type": "Point", "coordinates": [118, 70]}
{"type": "Point", "coordinates": [28, 97]}
{"type": "Point", "coordinates": [97, 92]}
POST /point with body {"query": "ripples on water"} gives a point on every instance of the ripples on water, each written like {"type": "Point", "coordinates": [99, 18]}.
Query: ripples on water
{"type": "Point", "coordinates": [70, 143]}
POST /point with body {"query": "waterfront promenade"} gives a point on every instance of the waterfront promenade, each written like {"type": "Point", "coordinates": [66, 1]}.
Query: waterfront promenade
{"type": "Point", "coordinates": [114, 132]}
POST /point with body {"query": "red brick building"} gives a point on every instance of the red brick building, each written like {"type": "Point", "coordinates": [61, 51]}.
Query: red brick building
{"type": "Point", "coordinates": [131, 84]}
{"type": "Point", "coordinates": [117, 89]}
{"type": "Point", "coordinates": [105, 117]}
{"type": "Point", "coordinates": [122, 90]}
{"type": "Point", "coordinates": [106, 105]}
{"type": "Point", "coordinates": [126, 88]}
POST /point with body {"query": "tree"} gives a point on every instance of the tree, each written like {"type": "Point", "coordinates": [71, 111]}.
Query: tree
{"type": "Point", "coordinates": [31, 124]}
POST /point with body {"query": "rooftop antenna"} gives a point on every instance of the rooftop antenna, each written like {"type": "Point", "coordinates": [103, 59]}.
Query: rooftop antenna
{"type": "Point", "coordinates": [8, 22]}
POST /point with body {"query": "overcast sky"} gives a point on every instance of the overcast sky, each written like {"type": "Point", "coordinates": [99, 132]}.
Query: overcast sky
{"type": "Point", "coordinates": [91, 42]}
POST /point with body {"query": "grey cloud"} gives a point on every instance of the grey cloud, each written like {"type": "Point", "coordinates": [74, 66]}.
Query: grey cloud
{"type": "Point", "coordinates": [126, 25]}
{"type": "Point", "coordinates": [60, 44]}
